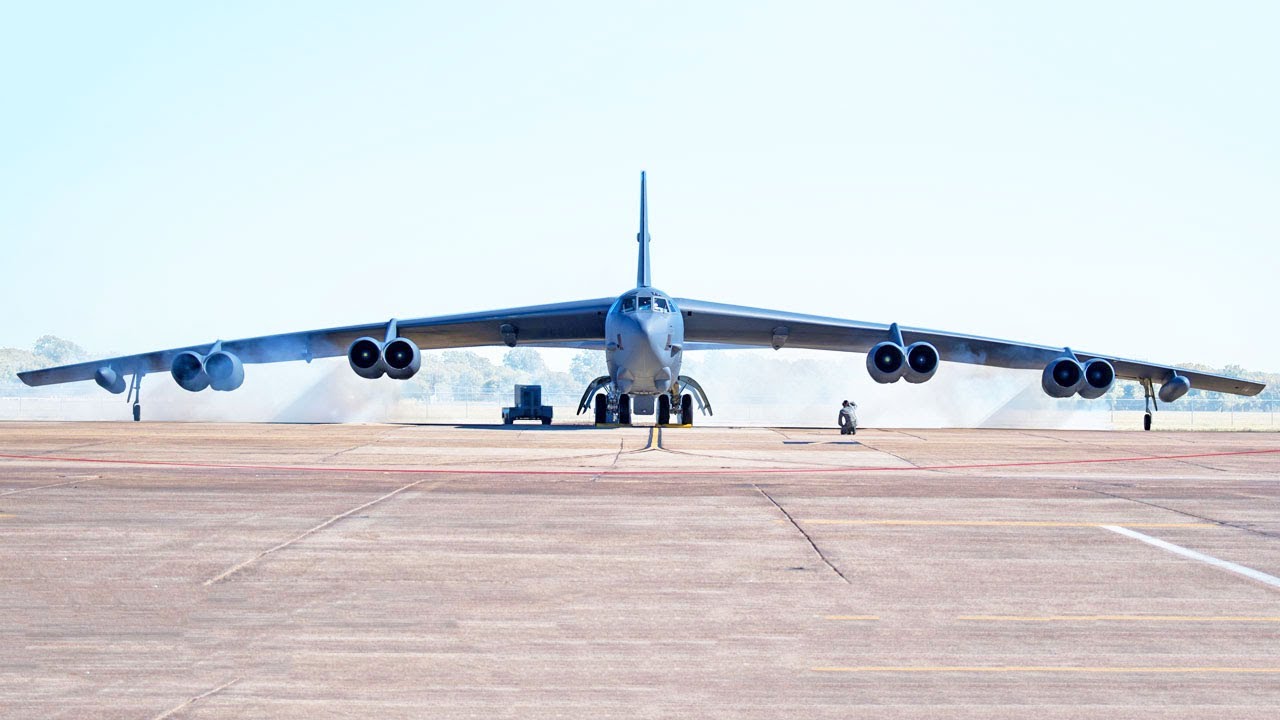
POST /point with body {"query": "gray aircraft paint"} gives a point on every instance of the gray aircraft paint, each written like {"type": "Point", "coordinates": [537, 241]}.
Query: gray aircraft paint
{"type": "Point", "coordinates": [643, 347]}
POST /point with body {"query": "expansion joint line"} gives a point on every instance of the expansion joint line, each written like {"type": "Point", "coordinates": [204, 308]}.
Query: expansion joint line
{"type": "Point", "coordinates": [237, 568]}
{"type": "Point", "coordinates": [796, 525]}
{"type": "Point", "coordinates": [1215, 521]}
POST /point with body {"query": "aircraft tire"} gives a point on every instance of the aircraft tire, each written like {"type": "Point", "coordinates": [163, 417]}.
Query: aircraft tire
{"type": "Point", "coordinates": [1146, 421]}
{"type": "Point", "coordinates": [137, 412]}
{"type": "Point", "coordinates": [624, 410]}
{"type": "Point", "coordinates": [686, 409]}
{"type": "Point", "coordinates": [664, 409]}
{"type": "Point", "coordinates": [602, 405]}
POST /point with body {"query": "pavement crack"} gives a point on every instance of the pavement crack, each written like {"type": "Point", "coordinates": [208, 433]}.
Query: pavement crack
{"type": "Point", "coordinates": [799, 529]}
{"type": "Point", "coordinates": [42, 487]}
{"type": "Point", "coordinates": [237, 568]}
{"type": "Point", "coordinates": [193, 700]}
{"type": "Point", "coordinates": [1215, 521]}
{"type": "Point", "coordinates": [612, 465]}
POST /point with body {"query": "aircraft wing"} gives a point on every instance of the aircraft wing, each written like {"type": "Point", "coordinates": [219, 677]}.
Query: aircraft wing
{"type": "Point", "coordinates": [571, 324]}
{"type": "Point", "coordinates": [707, 322]}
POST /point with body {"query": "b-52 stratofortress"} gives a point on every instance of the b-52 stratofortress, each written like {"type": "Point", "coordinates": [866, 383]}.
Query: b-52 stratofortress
{"type": "Point", "coordinates": [644, 334]}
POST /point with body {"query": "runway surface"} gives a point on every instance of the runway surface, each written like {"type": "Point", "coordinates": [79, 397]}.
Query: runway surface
{"type": "Point", "coordinates": [288, 571]}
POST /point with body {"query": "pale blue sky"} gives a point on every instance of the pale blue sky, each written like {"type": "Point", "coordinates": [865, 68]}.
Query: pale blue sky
{"type": "Point", "coordinates": [1100, 175]}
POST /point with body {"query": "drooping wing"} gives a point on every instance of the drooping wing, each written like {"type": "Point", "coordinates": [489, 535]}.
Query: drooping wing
{"type": "Point", "coordinates": [571, 324]}
{"type": "Point", "coordinates": [707, 322]}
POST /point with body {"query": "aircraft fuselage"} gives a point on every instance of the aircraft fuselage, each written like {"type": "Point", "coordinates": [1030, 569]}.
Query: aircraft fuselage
{"type": "Point", "coordinates": [644, 340]}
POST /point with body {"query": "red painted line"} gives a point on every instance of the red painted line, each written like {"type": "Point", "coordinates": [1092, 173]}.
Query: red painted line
{"type": "Point", "coordinates": [718, 471]}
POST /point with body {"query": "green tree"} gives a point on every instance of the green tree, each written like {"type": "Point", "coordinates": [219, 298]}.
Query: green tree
{"type": "Point", "coordinates": [57, 351]}
{"type": "Point", "coordinates": [587, 366]}
{"type": "Point", "coordinates": [525, 360]}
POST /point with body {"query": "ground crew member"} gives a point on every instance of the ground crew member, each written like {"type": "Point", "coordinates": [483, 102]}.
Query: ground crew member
{"type": "Point", "coordinates": [848, 418]}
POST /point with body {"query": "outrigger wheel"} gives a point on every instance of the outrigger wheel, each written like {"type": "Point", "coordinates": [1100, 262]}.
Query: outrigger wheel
{"type": "Point", "coordinates": [624, 409]}
{"type": "Point", "coordinates": [664, 409]}
{"type": "Point", "coordinates": [686, 409]}
{"type": "Point", "coordinates": [137, 412]}
{"type": "Point", "coordinates": [602, 403]}
{"type": "Point", "coordinates": [1146, 421]}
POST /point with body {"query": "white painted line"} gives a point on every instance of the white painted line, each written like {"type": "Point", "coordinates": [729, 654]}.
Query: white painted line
{"type": "Point", "coordinates": [1179, 550]}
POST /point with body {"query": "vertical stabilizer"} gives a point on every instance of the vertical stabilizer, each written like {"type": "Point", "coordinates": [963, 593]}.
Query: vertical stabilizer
{"type": "Point", "coordinates": [642, 270]}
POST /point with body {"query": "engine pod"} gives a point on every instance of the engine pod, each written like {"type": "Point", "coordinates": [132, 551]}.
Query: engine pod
{"type": "Point", "coordinates": [188, 371]}
{"type": "Point", "coordinates": [922, 362]}
{"type": "Point", "coordinates": [365, 357]}
{"type": "Point", "coordinates": [886, 362]}
{"type": "Point", "coordinates": [1062, 378]}
{"type": "Point", "coordinates": [225, 371]}
{"type": "Point", "coordinates": [1099, 376]}
{"type": "Point", "coordinates": [401, 358]}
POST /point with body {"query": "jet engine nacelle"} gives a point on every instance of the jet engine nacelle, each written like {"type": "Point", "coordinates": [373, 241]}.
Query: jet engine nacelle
{"type": "Point", "coordinates": [225, 371]}
{"type": "Point", "coordinates": [1062, 378]}
{"type": "Point", "coordinates": [188, 371]}
{"type": "Point", "coordinates": [922, 362]}
{"type": "Point", "coordinates": [1099, 376]}
{"type": "Point", "coordinates": [886, 362]}
{"type": "Point", "coordinates": [365, 356]}
{"type": "Point", "coordinates": [401, 358]}
{"type": "Point", "coordinates": [110, 380]}
{"type": "Point", "coordinates": [1174, 388]}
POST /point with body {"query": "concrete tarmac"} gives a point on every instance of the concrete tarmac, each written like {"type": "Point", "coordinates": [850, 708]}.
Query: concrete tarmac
{"type": "Point", "coordinates": [393, 571]}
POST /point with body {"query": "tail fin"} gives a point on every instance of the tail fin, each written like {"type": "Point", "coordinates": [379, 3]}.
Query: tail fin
{"type": "Point", "coordinates": [642, 270]}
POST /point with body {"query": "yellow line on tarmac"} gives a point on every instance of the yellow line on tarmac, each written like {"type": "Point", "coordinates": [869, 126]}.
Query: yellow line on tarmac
{"type": "Point", "coordinates": [1124, 618]}
{"type": "Point", "coordinates": [1001, 523]}
{"type": "Point", "coordinates": [1042, 669]}
{"type": "Point", "coordinates": [853, 617]}
{"type": "Point", "coordinates": [3, 515]}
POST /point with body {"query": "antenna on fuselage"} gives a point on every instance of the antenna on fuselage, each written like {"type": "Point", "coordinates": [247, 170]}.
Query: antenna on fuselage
{"type": "Point", "coordinates": [642, 270]}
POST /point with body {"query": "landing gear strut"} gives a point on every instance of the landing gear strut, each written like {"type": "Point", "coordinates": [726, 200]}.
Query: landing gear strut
{"type": "Point", "coordinates": [1151, 405]}
{"type": "Point", "coordinates": [135, 396]}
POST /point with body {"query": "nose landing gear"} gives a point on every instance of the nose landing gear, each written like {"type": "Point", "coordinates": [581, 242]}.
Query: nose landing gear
{"type": "Point", "coordinates": [664, 409]}
{"type": "Point", "coordinates": [610, 410]}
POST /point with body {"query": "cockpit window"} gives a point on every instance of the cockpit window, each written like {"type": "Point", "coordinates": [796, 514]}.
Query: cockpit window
{"type": "Point", "coordinates": [628, 304]}
{"type": "Point", "coordinates": [660, 303]}
{"type": "Point", "coordinates": [644, 302]}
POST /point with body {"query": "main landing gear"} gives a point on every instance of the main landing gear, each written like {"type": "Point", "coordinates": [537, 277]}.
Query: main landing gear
{"type": "Point", "coordinates": [135, 396]}
{"type": "Point", "coordinates": [1151, 405]}
{"type": "Point", "coordinates": [685, 410]}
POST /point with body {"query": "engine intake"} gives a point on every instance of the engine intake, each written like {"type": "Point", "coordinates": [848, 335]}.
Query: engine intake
{"type": "Point", "coordinates": [1099, 376]}
{"type": "Point", "coordinates": [922, 362]}
{"type": "Point", "coordinates": [1062, 378]}
{"type": "Point", "coordinates": [365, 356]}
{"type": "Point", "coordinates": [225, 371]}
{"type": "Point", "coordinates": [1174, 388]}
{"type": "Point", "coordinates": [402, 358]}
{"type": "Point", "coordinates": [188, 371]}
{"type": "Point", "coordinates": [886, 362]}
